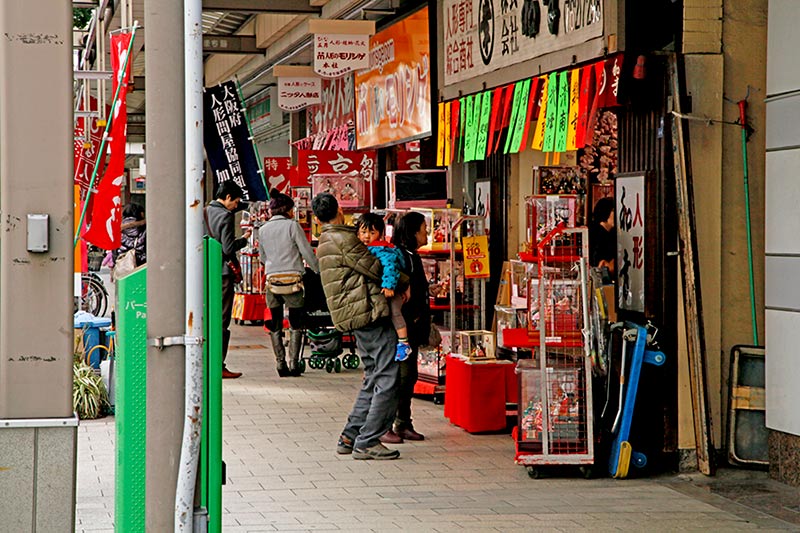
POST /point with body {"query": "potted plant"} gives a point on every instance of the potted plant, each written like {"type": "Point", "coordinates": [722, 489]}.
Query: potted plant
{"type": "Point", "coordinates": [89, 395]}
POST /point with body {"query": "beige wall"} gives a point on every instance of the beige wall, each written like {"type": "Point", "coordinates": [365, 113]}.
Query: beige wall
{"type": "Point", "coordinates": [718, 188]}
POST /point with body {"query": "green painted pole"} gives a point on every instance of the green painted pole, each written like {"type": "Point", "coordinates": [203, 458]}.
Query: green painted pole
{"type": "Point", "coordinates": [131, 402]}
{"type": "Point", "coordinates": [211, 444]}
{"type": "Point", "coordinates": [101, 153]}
{"type": "Point", "coordinates": [743, 122]}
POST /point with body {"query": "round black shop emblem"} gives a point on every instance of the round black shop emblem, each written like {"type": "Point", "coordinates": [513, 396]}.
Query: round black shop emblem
{"type": "Point", "coordinates": [486, 30]}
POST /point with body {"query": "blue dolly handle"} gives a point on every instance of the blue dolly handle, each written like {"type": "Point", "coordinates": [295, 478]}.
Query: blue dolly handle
{"type": "Point", "coordinates": [622, 453]}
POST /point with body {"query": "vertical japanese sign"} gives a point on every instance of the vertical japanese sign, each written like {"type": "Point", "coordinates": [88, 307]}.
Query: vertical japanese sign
{"type": "Point", "coordinates": [227, 141]}
{"type": "Point", "coordinates": [86, 154]}
{"type": "Point", "coordinates": [484, 35]}
{"type": "Point", "coordinates": [278, 172]}
{"type": "Point", "coordinates": [331, 123]}
{"type": "Point", "coordinates": [106, 219]}
{"type": "Point", "coordinates": [631, 214]}
{"type": "Point", "coordinates": [336, 55]}
{"type": "Point", "coordinates": [296, 93]}
{"type": "Point", "coordinates": [393, 96]}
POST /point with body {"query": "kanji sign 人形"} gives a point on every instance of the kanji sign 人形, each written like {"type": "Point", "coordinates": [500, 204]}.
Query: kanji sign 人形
{"type": "Point", "coordinates": [296, 93]}
{"type": "Point", "coordinates": [336, 55]}
{"type": "Point", "coordinates": [631, 214]}
{"type": "Point", "coordinates": [226, 137]}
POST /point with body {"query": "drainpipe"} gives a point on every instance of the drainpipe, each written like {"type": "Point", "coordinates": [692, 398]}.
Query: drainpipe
{"type": "Point", "coordinates": [193, 102]}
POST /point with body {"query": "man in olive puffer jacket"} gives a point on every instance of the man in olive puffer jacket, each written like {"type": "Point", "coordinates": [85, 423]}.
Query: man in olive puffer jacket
{"type": "Point", "coordinates": [351, 280]}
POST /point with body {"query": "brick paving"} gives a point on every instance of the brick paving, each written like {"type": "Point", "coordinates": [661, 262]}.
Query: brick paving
{"type": "Point", "coordinates": [283, 473]}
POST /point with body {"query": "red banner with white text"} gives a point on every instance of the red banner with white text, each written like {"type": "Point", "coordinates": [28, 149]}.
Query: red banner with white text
{"type": "Point", "coordinates": [310, 162]}
{"type": "Point", "coordinates": [105, 229]}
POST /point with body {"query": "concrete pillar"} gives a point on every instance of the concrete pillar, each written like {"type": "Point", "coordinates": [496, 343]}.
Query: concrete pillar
{"type": "Point", "coordinates": [165, 245]}
{"type": "Point", "coordinates": [37, 428]}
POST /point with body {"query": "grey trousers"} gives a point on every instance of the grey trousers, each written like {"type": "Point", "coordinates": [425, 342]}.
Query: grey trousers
{"type": "Point", "coordinates": [376, 403]}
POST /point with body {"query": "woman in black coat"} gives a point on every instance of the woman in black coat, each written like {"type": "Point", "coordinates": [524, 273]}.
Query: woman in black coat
{"type": "Point", "coordinates": [134, 233]}
{"type": "Point", "coordinates": [411, 232]}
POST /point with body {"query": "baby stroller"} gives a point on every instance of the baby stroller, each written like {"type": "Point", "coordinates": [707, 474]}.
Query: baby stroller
{"type": "Point", "coordinates": [326, 342]}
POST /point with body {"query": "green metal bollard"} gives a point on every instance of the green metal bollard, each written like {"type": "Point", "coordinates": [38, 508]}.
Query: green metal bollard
{"type": "Point", "coordinates": [211, 443]}
{"type": "Point", "coordinates": [131, 399]}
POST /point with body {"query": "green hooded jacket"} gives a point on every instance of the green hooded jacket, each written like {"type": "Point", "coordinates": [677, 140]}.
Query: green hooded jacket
{"type": "Point", "coordinates": [351, 278]}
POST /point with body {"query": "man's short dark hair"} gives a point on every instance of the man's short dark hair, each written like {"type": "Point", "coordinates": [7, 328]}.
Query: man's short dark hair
{"type": "Point", "coordinates": [325, 207]}
{"type": "Point", "coordinates": [229, 188]}
{"type": "Point", "coordinates": [371, 221]}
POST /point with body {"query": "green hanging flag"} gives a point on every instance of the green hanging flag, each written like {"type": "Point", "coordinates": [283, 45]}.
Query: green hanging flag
{"type": "Point", "coordinates": [469, 141]}
{"type": "Point", "coordinates": [483, 129]}
{"type": "Point", "coordinates": [550, 119]}
{"type": "Point", "coordinates": [513, 119]}
{"type": "Point", "coordinates": [562, 118]}
{"type": "Point", "coordinates": [522, 115]}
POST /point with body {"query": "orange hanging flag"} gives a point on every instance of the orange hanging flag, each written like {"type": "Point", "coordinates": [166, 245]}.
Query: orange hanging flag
{"type": "Point", "coordinates": [440, 138]}
{"type": "Point", "coordinates": [538, 134]}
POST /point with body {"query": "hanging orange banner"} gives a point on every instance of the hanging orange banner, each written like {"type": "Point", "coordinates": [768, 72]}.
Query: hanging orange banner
{"type": "Point", "coordinates": [476, 256]}
{"type": "Point", "coordinates": [440, 138]}
{"type": "Point", "coordinates": [393, 96]}
{"type": "Point", "coordinates": [541, 125]}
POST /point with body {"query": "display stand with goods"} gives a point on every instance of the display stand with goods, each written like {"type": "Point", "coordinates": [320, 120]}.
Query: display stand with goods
{"type": "Point", "coordinates": [248, 302]}
{"type": "Point", "coordinates": [555, 425]}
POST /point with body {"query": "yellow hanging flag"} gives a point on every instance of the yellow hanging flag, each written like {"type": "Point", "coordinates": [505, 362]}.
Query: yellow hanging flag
{"type": "Point", "coordinates": [446, 157]}
{"type": "Point", "coordinates": [538, 135]}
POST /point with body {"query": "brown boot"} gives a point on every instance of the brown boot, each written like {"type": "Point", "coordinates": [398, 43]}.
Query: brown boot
{"type": "Point", "coordinates": [409, 434]}
{"type": "Point", "coordinates": [390, 437]}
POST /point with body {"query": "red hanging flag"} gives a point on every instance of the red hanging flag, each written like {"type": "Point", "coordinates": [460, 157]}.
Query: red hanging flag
{"type": "Point", "coordinates": [600, 88]}
{"type": "Point", "coordinates": [105, 229]}
{"type": "Point", "coordinates": [533, 104]}
{"type": "Point", "coordinates": [505, 115]}
{"type": "Point", "coordinates": [497, 100]}
{"type": "Point", "coordinates": [585, 101]}
{"type": "Point", "coordinates": [455, 114]}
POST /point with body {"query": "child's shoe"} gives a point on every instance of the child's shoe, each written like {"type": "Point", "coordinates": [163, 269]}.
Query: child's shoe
{"type": "Point", "coordinates": [403, 351]}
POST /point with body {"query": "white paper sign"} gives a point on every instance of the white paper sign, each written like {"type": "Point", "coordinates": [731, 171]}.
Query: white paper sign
{"type": "Point", "coordinates": [630, 242]}
{"type": "Point", "coordinates": [336, 55]}
{"type": "Point", "coordinates": [484, 35]}
{"type": "Point", "coordinates": [297, 93]}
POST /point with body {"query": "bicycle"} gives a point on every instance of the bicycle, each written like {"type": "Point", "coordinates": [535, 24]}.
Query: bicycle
{"type": "Point", "coordinates": [94, 296]}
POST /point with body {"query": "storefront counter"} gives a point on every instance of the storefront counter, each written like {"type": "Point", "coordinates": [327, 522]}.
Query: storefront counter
{"type": "Point", "coordinates": [477, 393]}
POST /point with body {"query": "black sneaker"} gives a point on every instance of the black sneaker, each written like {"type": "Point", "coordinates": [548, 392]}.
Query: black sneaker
{"type": "Point", "coordinates": [379, 452]}
{"type": "Point", "coordinates": [344, 446]}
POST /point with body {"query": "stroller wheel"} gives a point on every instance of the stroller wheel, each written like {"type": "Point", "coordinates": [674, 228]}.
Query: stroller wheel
{"type": "Point", "coordinates": [347, 361]}
{"type": "Point", "coordinates": [301, 365]}
{"type": "Point", "coordinates": [329, 366]}
{"type": "Point", "coordinates": [337, 365]}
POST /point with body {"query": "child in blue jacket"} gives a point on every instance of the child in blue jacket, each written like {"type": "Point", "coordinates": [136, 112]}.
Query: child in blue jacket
{"type": "Point", "coordinates": [371, 230]}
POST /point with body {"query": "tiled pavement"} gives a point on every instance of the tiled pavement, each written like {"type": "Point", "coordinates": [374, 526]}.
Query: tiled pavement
{"type": "Point", "coordinates": [283, 474]}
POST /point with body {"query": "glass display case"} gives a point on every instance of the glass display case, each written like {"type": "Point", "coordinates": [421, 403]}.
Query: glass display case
{"type": "Point", "coordinates": [440, 223]}
{"type": "Point", "coordinates": [352, 191]}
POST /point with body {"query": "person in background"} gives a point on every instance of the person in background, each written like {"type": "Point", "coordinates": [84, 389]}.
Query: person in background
{"type": "Point", "coordinates": [603, 235]}
{"type": "Point", "coordinates": [282, 246]}
{"type": "Point", "coordinates": [220, 225]}
{"type": "Point", "coordinates": [371, 230]}
{"type": "Point", "coordinates": [134, 233]}
{"type": "Point", "coordinates": [411, 232]}
{"type": "Point", "coordinates": [351, 280]}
